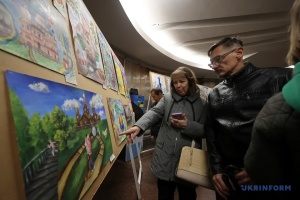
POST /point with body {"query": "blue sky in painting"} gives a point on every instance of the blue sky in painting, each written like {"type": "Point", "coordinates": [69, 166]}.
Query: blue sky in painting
{"type": "Point", "coordinates": [41, 96]}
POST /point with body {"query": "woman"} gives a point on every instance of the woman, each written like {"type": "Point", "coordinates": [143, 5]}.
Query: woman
{"type": "Point", "coordinates": [174, 133]}
{"type": "Point", "coordinates": [273, 155]}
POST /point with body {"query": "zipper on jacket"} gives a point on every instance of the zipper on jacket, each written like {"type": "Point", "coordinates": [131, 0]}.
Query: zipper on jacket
{"type": "Point", "coordinates": [175, 145]}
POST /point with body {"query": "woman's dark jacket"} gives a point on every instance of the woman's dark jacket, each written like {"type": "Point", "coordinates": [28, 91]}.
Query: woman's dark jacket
{"type": "Point", "coordinates": [232, 108]}
{"type": "Point", "coordinates": [170, 140]}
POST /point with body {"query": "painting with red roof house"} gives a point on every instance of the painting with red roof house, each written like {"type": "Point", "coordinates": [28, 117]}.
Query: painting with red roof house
{"type": "Point", "coordinates": [86, 44]}
{"type": "Point", "coordinates": [36, 31]}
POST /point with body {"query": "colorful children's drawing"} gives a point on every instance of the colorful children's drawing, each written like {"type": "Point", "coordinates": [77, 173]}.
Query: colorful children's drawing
{"type": "Point", "coordinates": [111, 79]}
{"type": "Point", "coordinates": [52, 121]}
{"type": "Point", "coordinates": [61, 6]}
{"type": "Point", "coordinates": [87, 49]}
{"type": "Point", "coordinates": [36, 31]}
{"type": "Point", "coordinates": [119, 73]}
{"type": "Point", "coordinates": [129, 114]}
{"type": "Point", "coordinates": [124, 79]}
{"type": "Point", "coordinates": [118, 118]}
{"type": "Point", "coordinates": [158, 81]}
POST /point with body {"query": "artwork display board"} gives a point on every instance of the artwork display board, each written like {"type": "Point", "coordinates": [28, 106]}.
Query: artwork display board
{"type": "Point", "coordinates": [51, 132]}
{"type": "Point", "coordinates": [48, 101]}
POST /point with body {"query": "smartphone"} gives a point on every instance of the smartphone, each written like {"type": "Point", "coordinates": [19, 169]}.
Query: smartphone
{"type": "Point", "coordinates": [178, 115]}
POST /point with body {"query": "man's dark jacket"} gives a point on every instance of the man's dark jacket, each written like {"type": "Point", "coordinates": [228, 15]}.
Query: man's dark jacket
{"type": "Point", "coordinates": [232, 108]}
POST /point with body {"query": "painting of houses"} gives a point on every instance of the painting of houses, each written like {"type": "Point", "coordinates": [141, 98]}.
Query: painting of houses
{"type": "Point", "coordinates": [36, 31]}
{"type": "Point", "coordinates": [52, 121]}
{"type": "Point", "coordinates": [110, 74]}
{"type": "Point", "coordinates": [87, 49]}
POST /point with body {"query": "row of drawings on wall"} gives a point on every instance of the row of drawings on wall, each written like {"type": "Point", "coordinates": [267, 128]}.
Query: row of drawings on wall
{"type": "Point", "coordinates": [36, 31]}
{"type": "Point", "coordinates": [63, 136]}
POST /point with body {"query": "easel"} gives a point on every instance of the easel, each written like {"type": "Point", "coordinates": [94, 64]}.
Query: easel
{"type": "Point", "coordinates": [137, 179]}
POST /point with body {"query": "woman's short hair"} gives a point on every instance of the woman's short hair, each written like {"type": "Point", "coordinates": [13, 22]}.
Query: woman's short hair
{"type": "Point", "coordinates": [190, 75]}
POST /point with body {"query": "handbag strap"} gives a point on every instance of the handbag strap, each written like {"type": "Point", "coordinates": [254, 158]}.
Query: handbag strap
{"type": "Point", "coordinates": [191, 152]}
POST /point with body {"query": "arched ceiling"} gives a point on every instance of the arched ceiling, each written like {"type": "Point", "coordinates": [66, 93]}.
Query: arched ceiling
{"type": "Point", "coordinates": [169, 33]}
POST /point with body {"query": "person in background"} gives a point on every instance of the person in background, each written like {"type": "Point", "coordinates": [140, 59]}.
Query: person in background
{"type": "Point", "coordinates": [174, 133]}
{"type": "Point", "coordinates": [138, 112]}
{"type": "Point", "coordinates": [273, 155]}
{"type": "Point", "coordinates": [156, 95]}
{"type": "Point", "coordinates": [232, 107]}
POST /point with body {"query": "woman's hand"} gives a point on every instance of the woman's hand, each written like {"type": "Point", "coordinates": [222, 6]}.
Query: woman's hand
{"type": "Point", "coordinates": [131, 133]}
{"type": "Point", "coordinates": [179, 123]}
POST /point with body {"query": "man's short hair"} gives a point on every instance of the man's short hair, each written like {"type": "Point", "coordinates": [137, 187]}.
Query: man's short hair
{"type": "Point", "coordinates": [157, 91]}
{"type": "Point", "coordinates": [226, 42]}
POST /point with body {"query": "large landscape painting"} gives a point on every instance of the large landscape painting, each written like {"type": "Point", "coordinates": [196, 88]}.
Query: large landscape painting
{"type": "Point", "coordinates": [52, 122]}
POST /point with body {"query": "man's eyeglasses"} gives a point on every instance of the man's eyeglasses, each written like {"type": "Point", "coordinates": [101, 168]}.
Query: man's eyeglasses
{"type": "Point", "coordinates": [219, 58]}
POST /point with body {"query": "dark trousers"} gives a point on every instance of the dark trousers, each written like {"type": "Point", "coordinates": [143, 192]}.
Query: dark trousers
{"type": "Point", "coordinates": [166, 190]}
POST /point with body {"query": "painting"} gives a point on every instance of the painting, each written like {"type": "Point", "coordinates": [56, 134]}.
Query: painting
{"type": "Point", "coordinates": [36, 31]}
{"type": "Point", "coordinates": [118, 119]}
{"type": "Point", "coordinates": [87, 49]}
{"type": "Point", "coordinates": [111, 79]}
{"type": "Point", "coordinates": [158, 81]}
{"type": "Point", "coordinates": [129, 114]}
{"type": "Point", "coordinates": [119, 68]}
{"type": "Point", "coordinates": [62, 133]}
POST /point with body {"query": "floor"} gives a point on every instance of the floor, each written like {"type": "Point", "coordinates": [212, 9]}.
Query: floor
{"type": "Point", "coordinates": [119, 183]}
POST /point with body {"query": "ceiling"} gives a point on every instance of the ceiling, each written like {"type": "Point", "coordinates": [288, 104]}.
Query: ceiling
{"type": "Point", "coordinates": [166, 34]}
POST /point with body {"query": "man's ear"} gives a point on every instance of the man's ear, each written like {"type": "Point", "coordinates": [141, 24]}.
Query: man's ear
{"type": "Point", "coordinates": [239, 53]}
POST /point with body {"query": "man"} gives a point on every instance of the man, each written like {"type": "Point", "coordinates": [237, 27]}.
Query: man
{"type": "Point", "coordinates": [156, 95]}
{"type": "Point", "coordinates": [232, 107]}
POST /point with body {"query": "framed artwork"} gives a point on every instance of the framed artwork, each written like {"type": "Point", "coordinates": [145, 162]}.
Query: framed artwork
{"type": "Point", "coordinates": [87, 49]}
{"type": "Point", "coordinates": [118, 118]}
{"type": "Point", "coordinates": [36, 31]}
{"type": "Point", "coordinates": [158, 81]}
{"type": "Point", "coordinates": [129, 114]}
{"type": "Point", "coordinates": [111, 79]}
{"type": "Point", "coordinates": [119, 71]}
{"type": "Point", "coordinates": [52, 123]}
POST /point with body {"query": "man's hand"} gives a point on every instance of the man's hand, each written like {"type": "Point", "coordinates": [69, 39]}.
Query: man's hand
{"type": "Point", "coordinates": [220, 186]}
{"type": "Point", "coordinates": [243, 178]}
